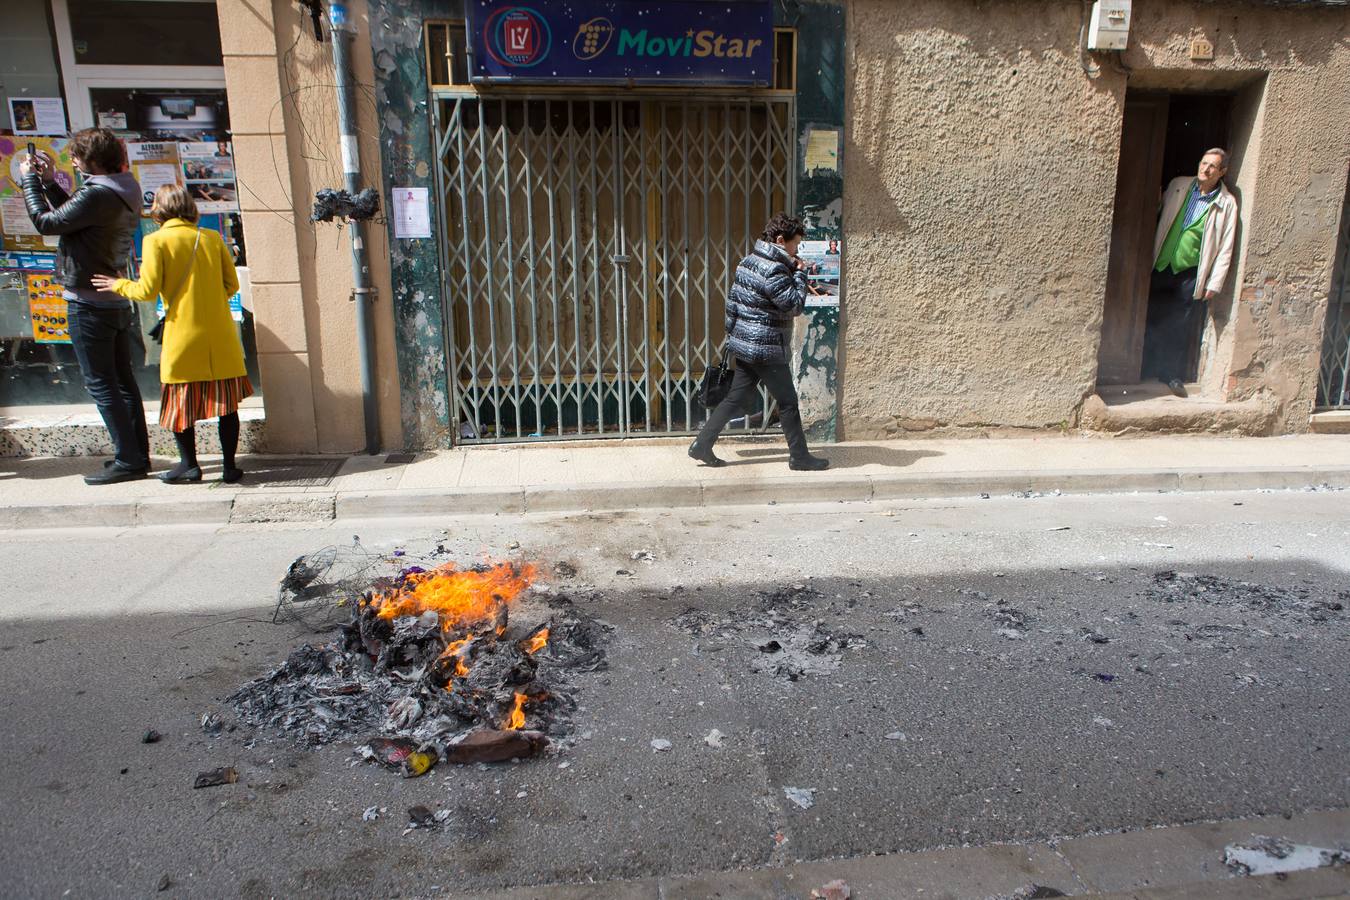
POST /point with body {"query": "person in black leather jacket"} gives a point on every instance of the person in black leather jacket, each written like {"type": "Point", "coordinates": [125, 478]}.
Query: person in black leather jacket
{"type": "Point", "coordinates": [96, 226]}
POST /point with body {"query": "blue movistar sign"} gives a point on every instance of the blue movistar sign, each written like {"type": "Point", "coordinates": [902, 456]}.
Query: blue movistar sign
{"type": "Point", "coordinates": [616, 41]}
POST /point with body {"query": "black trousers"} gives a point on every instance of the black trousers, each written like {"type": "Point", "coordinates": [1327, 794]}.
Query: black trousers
{"type": "Point", "coordinates": [777, 377]}
{"type": "Point", "coordinates": [1173, 320]}
{"type": "Point", "coordinates": [102, 341]}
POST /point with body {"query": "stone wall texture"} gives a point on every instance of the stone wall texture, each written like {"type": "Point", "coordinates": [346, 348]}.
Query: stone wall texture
{"type": "Point", "coordinates": [981, 153]}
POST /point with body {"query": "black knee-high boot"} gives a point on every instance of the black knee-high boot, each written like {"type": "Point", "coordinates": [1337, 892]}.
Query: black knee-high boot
{"type": "Point", "coordinates": [229, 445]}
{"type": "Point", "coordinates": [187, 470]}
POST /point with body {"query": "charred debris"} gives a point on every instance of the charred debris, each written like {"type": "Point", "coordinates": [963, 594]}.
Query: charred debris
{"type": "Point", "coordinates": [435, 663]}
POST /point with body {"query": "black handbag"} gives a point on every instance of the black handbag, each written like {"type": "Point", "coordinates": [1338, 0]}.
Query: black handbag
{"type": "Point", "coordinates": [717, 379]}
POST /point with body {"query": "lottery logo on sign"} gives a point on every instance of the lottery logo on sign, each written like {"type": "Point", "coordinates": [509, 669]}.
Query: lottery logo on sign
{"type": "Point", "coordinates": [518, 37]}
{"type": "Point", "coordinates": [592, 38]}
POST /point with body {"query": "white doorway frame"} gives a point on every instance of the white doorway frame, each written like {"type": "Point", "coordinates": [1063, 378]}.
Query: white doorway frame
{"type": "Point", "coordinates": [78, 79]}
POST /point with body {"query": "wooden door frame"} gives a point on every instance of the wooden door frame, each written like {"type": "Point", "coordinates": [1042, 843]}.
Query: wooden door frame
{"type": "Point", "coordinates": [1125, 305]}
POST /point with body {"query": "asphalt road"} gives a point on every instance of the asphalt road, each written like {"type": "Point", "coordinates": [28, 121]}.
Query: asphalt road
{"type": "Point", "coordinates": [1009, 669]}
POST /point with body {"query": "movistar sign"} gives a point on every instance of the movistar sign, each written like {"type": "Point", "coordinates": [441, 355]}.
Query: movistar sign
{"type": "Point", "coordinates": [623, 41]}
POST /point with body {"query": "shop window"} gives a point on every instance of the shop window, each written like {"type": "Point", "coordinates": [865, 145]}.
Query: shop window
{"type": "Point", "coordinates": [447, 55]}
{"type": "Point", "coordinates": [144, 32]}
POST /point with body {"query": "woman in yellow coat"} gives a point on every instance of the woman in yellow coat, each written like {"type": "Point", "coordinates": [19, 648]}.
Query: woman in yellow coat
{"type": "Point", "coordinates": [202, 366]}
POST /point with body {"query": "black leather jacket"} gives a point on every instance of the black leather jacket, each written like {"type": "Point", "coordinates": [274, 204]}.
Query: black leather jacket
{"type": "Point", "coordinates": [97, 227]}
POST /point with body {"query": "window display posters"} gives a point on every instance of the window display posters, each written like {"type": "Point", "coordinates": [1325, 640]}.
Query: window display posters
{"type": "Point", "coordinates": [208, 173]}
{"type": "Point", "coordinates": [37, 115]}
{"type": "Point", "coordinates": [822, 271]}
{"type": "Point", "coordinates": [16, 230]}
{"type": "Point", "coordinates": [154, 164]}
{"type": "Point", "coordinates": [47, 309]}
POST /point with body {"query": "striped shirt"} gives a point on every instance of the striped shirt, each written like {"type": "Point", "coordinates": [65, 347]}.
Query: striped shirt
{"type": "Point", "coordinates": [1197, 204]}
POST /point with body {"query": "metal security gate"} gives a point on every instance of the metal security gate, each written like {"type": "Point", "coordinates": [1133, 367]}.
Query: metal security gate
{"type": "Point", "coordinates": [1333, 387]}
{"type": "Point", "coordinates": [589, 244]}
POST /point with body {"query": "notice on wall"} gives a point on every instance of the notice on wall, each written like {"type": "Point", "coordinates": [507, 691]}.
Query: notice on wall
{"type": "Point", "coordinates": [412, 213]}
{"type": "Point", "coordinates": [208, 173]}
{"type": "Point", "coordinates": [821, 151]}
{"type": "Point", "coordinates": [37, 115]}
{"type": "Point", "coordinates": [155, 164]}
{"type": "Point", "coordinates": [16, 229]}
{"type": "Point", "coordinates": [822, 271]}
{"type": "Point", "coordinates": [47, 309]}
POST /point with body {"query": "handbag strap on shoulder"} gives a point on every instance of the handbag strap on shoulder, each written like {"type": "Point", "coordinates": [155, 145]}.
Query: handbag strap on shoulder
{"type": "Point", "coordinates": [182, 282]}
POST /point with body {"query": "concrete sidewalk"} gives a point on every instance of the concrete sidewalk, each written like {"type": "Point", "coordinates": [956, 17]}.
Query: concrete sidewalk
{"type": "Point", "coordinates": [50, 492]}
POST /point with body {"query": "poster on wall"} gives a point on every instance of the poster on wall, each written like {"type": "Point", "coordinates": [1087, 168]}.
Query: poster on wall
{"type": "Point", "coordinates": [412, 213]}
{"type": "Point", "coordinates": [37, 115]}
{"type": "Point", "coordinates": [822, 271]}
{"type": "Point", "coordinates": [16, 229]}
{"type": "Point", "coordinates": [208, 173]}
{"type": "Point", "coordinates": [47, 309]}
{"type": "Point", "coordinates": [154, 164]}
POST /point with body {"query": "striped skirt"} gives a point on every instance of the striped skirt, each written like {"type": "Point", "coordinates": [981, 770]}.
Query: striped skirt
{"type": "Point", "coordinates": [180, 405]}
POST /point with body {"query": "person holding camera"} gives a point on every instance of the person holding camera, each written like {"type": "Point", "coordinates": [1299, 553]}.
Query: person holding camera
{"type": "Point", "coordinates": [768, 292]}
{"type": "Point", "coordinates": [96, 226]}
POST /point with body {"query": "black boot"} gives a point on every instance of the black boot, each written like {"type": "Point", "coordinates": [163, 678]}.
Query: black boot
{"type": "Point", "coordinates": [808, 463]}
{"type": "Point", "coordinates": [229, 445]}
{"type": "Point", "coordinates": [705, 456]}
{"type": "Point", "coordinates": [187, 471]}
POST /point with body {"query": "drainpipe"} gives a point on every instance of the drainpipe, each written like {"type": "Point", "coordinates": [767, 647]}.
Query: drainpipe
{"type": "Point", "coordinates": [362, 292]}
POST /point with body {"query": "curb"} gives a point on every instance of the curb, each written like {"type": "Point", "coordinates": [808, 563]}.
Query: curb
{"type": "Point", "coordinates": [257, 507]}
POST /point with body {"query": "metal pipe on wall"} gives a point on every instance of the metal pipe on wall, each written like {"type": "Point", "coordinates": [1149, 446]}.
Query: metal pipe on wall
{"type": "Point", "coordinates": [362, 291]}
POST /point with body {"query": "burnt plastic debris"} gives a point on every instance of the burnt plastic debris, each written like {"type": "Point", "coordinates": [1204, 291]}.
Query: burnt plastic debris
{"type": "Point", "coordinates": [492, 745]}
{"type": "Point", "coordinates": [392, 752]}
{"type": "Point", "coordinates": [330, 204]}
{"type": "Point", "coordinates": [216, 777]}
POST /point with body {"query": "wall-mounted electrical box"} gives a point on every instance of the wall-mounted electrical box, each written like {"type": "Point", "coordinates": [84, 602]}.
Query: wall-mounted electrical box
{"type": "Point", "coordinates": [1110, 26]}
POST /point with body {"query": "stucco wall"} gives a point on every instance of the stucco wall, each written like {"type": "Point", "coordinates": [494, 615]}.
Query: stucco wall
{"type": "Point", "coordinates": [283, 109]}
{"type": "Point", "coordinates": [982, 153]}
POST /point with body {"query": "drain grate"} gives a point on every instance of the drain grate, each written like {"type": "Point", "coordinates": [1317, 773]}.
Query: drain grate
{"type": "Point", "coordinates": [297, 471]}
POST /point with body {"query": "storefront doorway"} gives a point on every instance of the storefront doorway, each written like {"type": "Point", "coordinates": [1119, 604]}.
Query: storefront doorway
{"type": "Point", "coordinates": [1163, 136]}
{"type": "Point", "coordinates": [589, 244]}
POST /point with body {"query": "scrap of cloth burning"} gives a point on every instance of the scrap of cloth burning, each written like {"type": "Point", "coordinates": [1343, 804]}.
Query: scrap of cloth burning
{"type": "Point", "coordinates": [436, 662]}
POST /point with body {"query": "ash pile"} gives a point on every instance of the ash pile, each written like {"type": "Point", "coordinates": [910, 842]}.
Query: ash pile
{"type": "Point", "coordinates": [783, 630]}
{"type": "Point", "coordinates": [1300, 604]}
{"type": "Point", "coordinates": [447, 663]}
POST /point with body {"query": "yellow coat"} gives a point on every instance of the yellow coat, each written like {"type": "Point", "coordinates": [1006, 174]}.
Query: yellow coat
{"type": "Point", "coordinates": [201, 341]}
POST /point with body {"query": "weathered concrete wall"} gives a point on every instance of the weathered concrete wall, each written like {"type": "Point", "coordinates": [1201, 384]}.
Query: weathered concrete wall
{"type": "Point", "coordinates": [283, 110]}
{"type": "Point", "coordinates": [982, 158]}
{"type": "Point", "coordinates": [981, 173]}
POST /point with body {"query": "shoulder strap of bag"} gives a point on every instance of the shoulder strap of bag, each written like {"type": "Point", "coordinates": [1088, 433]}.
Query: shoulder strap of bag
{"type": "Point", "coordinates": [182, 282]}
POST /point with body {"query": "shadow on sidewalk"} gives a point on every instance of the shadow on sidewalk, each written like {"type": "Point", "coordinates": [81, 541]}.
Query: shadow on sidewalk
{"type": "Point", "coordinates": [839, 457]}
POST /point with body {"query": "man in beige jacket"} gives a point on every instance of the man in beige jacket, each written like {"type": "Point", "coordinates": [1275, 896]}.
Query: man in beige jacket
{"type": "Point", "coordinates": [1192, 251]}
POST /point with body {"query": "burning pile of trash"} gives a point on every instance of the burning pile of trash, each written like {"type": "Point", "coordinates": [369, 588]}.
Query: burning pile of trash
{"type": "Point", "coordinates": [460, 664]}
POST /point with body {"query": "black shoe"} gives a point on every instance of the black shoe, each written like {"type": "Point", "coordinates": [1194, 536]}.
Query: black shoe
{"type": "Point", "coordinates": [109, 463]}
{"type": "Point", "coordinates": [808, 463]}
{"type": "Point", "coordinates": [114, 474]}
{"type": "Point", "coordinates": [232, 476]}
{"type": "Point", "coordinates": [190, 475]}
{"type": "Point", "coordinates": [705, 456]}
{"type": "Point", "coordinates": [1176, 387]}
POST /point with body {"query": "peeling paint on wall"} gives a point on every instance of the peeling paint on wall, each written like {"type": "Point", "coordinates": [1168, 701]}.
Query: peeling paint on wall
{"type": "Point", "coordinates": [820, 192]}
{"type": "Point", "coordinates": [406, 143]}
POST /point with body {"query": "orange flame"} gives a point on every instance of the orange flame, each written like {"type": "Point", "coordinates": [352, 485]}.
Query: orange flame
{"type": "Point", "coordinates": [458, 596]}
{"type": "Point", "coordinates": [517, 719]}
{"type": "Point", "coordinates": [537, 642]}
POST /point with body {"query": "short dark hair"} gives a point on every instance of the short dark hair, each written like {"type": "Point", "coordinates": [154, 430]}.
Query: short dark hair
{"type": "Point", "coordinates": [783, 226]}
{"type": "Point", "coordinates": [172, 201]}
{"type": "Point", "coordinates": [100, 148]}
